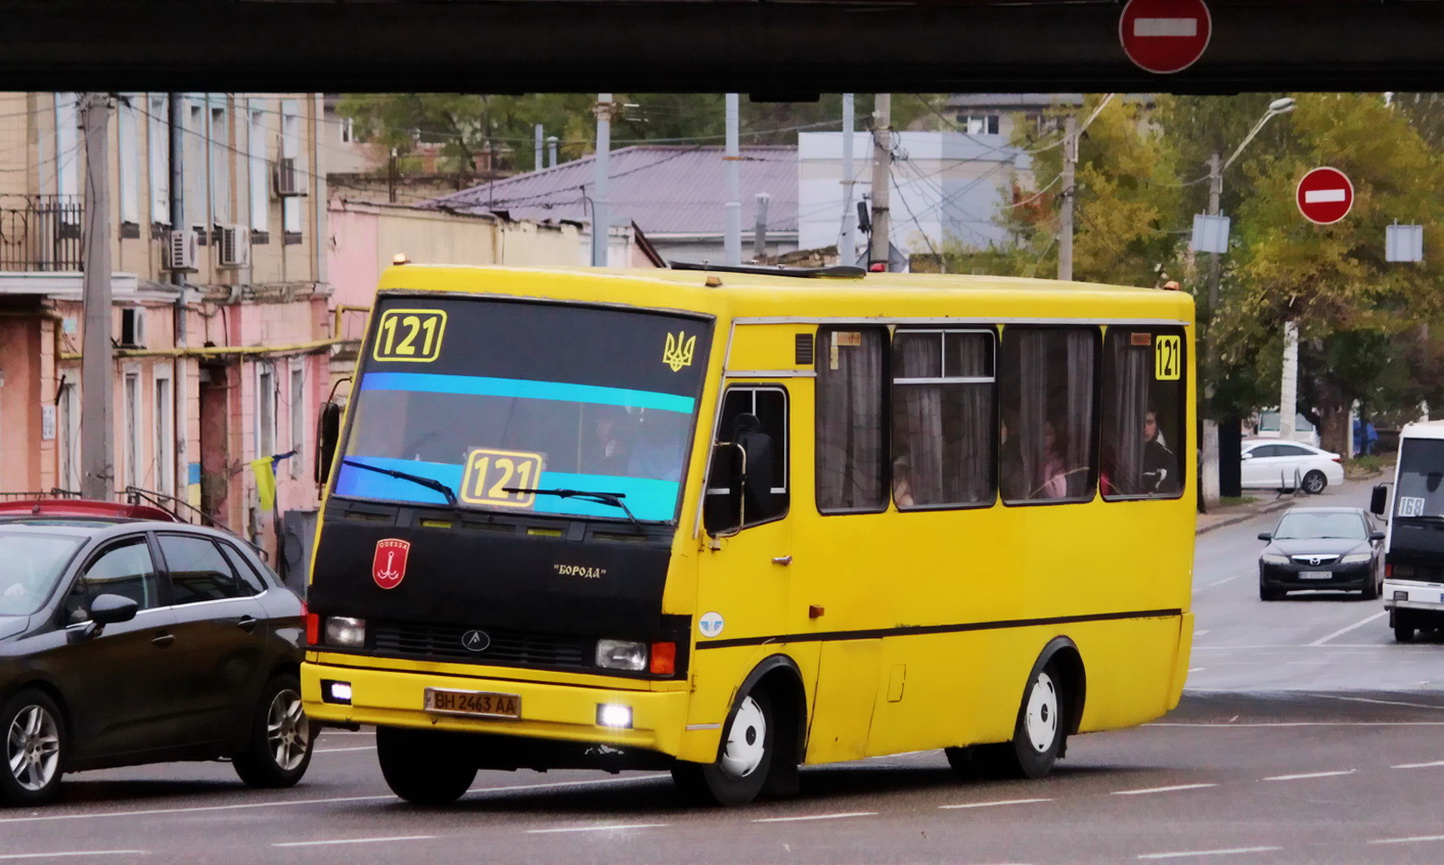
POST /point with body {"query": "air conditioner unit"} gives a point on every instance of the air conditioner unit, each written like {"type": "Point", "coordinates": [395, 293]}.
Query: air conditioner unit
{"type": "Point", "coordinates": [234, 247]}
{"type": "Point", "coordinates": [289, 178]}
{"type": "Point", "coordinates": [132, 328]}
{"type": "Point", "coordinates": [180, 250]}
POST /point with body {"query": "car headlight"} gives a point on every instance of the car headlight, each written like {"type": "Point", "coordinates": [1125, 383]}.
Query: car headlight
{"type": "Point", "coordinates": [1273, 559]}
{"type": "Point", "coordinates": [345, 631]}
{"type": "Point", "coordinates": [1355, 559]}
{"type": "Point", "coordinates": [621, 655]}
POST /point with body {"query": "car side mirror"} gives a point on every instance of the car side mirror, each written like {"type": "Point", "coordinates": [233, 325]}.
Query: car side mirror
{"type": "Point", "coordinates": [112, 609]}
{"type": "Point", "coordinates": [1376, 536]}
{"type": "Point", "coordinates": [1265, 536]}
{"type": "Point", "coordinates": [328, 431]}
{"type": "Point", "coordinates": [1380, 500]}
{"type": "Point", "coordinates": [1247, 456]}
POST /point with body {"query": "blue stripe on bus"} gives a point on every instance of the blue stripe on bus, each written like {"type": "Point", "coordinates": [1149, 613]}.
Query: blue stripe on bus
{"type": "Point", "coordinates": [648, 499]}
{"type": "Point", "coordinates": [478, 385]}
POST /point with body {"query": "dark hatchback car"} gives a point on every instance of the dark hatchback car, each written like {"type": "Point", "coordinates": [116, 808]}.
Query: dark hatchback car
{"type": "Point", "coordinates": [1322, 548]}
{"type": "Point", "coordinates": [125, 642]}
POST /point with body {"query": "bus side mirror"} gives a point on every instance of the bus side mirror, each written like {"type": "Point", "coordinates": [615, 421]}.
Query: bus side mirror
{"type": "Point", "coordinates": [1379, 501]}
{"type": "Point", "coordinates": [724, 515]}
{"type": "Point", "coordinates": [328, 430]}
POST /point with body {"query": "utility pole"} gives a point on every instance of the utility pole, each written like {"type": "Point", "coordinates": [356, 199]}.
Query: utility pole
{"type": "Point", "coordinates": [732, 237]}
{"type": "Point", "coordinates": [1289, 384]}
{"type": "Point", "coordinates": [601, 217]}
{"type": "Point", "coordinates": [847, 238]}
{"type": "Point", "coordinates": [536, 163]}
{"type": "Point", "coordinates": [881, 248]}
{"type": "Point", "coordinates": [1065, 218]}
{"type": "Point", "coordinates": [179, 384]}
{"type": "Point", "coordinates": [759, 236]}
{"type": "Point", "coordinates": [1215, 191]}
{"type": "Point", "coordinates": [98, 464]}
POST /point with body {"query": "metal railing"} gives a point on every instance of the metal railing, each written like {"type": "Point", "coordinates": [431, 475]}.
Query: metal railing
{"type": "Point", "coordinates": [41, 233]}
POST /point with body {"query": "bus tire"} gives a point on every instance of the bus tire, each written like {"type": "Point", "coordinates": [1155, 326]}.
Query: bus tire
{"type": "Point", "coordinates": [743, 762]}
{"type": "Point", "coordinates": [1038, 734]}
{"type": "Point", "coordinates": [420, 768]}
{"type": "Point", "coordinates": [1403, 627]}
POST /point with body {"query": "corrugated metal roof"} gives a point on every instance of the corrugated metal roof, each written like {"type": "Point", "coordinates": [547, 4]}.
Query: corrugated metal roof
{"type": "Point", "coordinates": [665, 189]}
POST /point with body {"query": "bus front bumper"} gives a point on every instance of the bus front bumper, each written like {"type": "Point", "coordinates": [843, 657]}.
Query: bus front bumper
{"type": "Point", "coordinates": [570, 713]}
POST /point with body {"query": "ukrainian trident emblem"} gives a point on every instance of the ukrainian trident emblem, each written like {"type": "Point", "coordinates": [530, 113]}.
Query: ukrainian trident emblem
{"type": "Point", "coordinates": [388, 565]}
{"type": "Point", "coordinates": [678, 351]}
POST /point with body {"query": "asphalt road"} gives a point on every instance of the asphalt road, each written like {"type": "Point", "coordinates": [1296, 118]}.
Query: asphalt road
{"type": "Point", "coordinates": [1305, 736]}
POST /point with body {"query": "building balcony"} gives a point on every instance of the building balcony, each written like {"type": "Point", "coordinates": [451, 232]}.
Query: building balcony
{"type": "Point", "coordinates": [41, 233]}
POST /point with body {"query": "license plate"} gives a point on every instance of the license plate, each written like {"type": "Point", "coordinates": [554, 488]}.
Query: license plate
{"type": "Point", "coordinates": [479, 703]}
{"type": "Point", "coordinates": [1316, 575]}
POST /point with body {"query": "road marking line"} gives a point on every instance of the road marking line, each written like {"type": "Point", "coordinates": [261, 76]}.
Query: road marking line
{"type": "Point", "coordinates": [289, 803]}
{"type": "Point", "coordinates": [1379, 615]}
{"type": "Point", "coordinates": [996, 804]}
{"type": "Point", "coordinates": [342, 750]}
{"type": "Point", "coordinates": [1418, 765]}
{"type": "Point", "coordinates": [1162, 789]}
{"type": "Point", "coordinates": [1408, 840]}
{"type": "Point", "coordinates": [1220, 582]}
{"type": "Point", "coordinates": [13, 856]}
{"type": "Point", "coordinates": [816, 817]}
{"type": "Point", "coordinates": [353, 841]}
{"type": "Point", "coordinates": [1380, 702]}
{"type": "Point", "coordinates": [1182, 853]}
{"type": "Point", "coordinates": [1308, 775]}
{"type": "Point", "coordinates": [1198, 633]}
{"type": "Point", "coordinates": [608, 827]}
{"type": "Point", "coordinates": [1196, 669]}
{"type": "Point", "coordinates": [1233, 726]}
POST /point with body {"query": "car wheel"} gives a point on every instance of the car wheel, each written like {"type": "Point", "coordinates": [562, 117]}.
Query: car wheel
{"type": "Point", "coordinates": [421, 767]}
{"type": "Point", "coordinates": [1315, 482]}
{"type": "Point", "coordinates": [1371, 588]}
{"type": "Point", "coordinates": [278, 750]}
{"type": "Point", "coordinates": [34, 741]}
{"type": "Point", "coordinates": [748, 749]}
{"type": "Point", "coordinates": [1038, 736]}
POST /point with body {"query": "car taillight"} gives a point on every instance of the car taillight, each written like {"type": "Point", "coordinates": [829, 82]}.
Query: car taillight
{"type": "Point", "coordinates": [1337, 459]}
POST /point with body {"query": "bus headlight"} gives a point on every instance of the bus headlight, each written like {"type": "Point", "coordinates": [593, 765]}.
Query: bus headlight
{"type": "Point", "coordinates": [1355, 559]}
{"type": "Point", "coordinates": [345, 631]}
{"type": "Point", "coordinates": [621, 655]}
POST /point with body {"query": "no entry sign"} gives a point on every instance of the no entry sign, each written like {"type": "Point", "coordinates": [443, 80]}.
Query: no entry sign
{"type": "Point", "coordinates": [1164, 36]}
{"type": "Point", "coordinates": [1325, 195]}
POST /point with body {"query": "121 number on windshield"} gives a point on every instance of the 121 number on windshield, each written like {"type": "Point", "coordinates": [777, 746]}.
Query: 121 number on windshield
{"type": "Point", "coordinates": [409, 335]}
{"type": "Point", "coordinates": [489, 474]}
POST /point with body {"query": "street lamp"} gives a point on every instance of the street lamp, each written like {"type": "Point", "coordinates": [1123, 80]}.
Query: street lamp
{"type": "Point", "coordinates": [1215, 191]}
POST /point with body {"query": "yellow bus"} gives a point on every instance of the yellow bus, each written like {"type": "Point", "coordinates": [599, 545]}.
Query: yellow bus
{"type": "Point", "coordinates": [729, 522]}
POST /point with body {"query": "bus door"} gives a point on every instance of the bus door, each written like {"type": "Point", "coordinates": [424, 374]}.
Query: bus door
{"type": "Point", "coordinates": [742, 589]}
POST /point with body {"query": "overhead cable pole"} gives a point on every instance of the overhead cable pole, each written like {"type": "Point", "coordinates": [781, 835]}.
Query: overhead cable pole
{"type": "Point", "coordinates": [601, 217]}
{"type": "Point", "coordinates": [847, 238]}
{"type": "Point", "coordinates": [732, 238]}
{"type": "Point", "coordinates": [96, 435]}
{"type": "Point", "coordinates": [180, 386]}
{"type": "Point", "coordinates": [880, 252]}
{"type": "Point", "coordinates": [1065, 217]}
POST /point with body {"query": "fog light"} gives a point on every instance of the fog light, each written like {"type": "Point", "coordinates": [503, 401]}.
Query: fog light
{"type": "Point", "coordinates": [613, 715]}
{"type": "Point", "coordinates": [345, 631]}
{"type": "Point", "coordinates": [336, 692]}
{"type": "Point", "coordinates": [621, 655]}
{"type": "Point", "coordinates": [1401, 596]}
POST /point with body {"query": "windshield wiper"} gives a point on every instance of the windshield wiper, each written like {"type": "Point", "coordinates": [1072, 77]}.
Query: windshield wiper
{"type": "Point", "coordinates": [603, 498]}
{"type": "Point", "coordinates": [429, 483]}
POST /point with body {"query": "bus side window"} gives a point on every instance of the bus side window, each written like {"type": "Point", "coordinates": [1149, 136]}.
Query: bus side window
{"type": "Point", "coordinates": [852, 460]}
{"type": "Point", "coordinates": [754, 421]}
{"type": "Point", "coordinates": [1046, 382]}
{"type": "Point", "coordinates": [1143, 397]}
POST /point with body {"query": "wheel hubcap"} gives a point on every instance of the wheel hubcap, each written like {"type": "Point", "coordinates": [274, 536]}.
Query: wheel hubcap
{"type": "Point", "coordinates": [1041, 719]}
{"type": "Point", "coordinates": [288, 735]}
{"type": "Point", "coordinates": [746, 740]}
{"type": "Point", "coordinates": [33, 748]}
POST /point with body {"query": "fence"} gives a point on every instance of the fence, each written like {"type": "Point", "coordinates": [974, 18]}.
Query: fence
{"type": "Point", "coordinates": [41, 233]}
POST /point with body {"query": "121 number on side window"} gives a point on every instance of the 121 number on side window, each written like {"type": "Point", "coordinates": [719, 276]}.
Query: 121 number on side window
{"type": "Point", "coordinates": [1168, 358]}
{"type": "Point", "coordinates": [409, 335]}
{"type": "Point", "coordinates": [490, 474]}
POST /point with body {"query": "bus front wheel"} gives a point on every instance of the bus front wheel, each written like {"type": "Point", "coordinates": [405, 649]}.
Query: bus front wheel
{"type": "Point", "coordinates": [1037, 741]}
{"type": "Point", "coordinates": [748, 749]}
{"type": "Point", "coordinates": [420, 767]}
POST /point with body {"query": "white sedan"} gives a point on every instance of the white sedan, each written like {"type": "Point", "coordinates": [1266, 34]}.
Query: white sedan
{"type": "Point", "coordinates": [1270, 464]}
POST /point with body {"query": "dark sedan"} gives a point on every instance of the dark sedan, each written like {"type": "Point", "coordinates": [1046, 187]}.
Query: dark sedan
{"type": "Point", "coordinates": [1322, 548]}
{"type": "Point", "coordinates": [125, 642]}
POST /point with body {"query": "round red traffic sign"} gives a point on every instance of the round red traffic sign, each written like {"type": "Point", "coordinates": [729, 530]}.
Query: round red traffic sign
{"type": "Point", "coordinates": [1164, 36]}
{"type": "Point", "coordinates": [1325, 195]}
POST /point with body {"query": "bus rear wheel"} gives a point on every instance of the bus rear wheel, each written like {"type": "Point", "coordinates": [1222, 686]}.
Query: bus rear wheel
{"type": "Point", "coordinates": [1038, 736]}
{"type": "Point", "coordinates": [748, 750]}
{"type": "Point", "coordinates": [421, 767]}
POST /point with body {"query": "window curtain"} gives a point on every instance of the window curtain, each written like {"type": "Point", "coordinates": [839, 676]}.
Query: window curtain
{"type": "Point", "coordinates": [850, 438]}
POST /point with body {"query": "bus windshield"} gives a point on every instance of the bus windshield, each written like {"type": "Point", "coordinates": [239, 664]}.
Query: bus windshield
{"type": "Point", "coordinates": [1420, 490]}
{"type": "Point", "coordinates": [525, 407]}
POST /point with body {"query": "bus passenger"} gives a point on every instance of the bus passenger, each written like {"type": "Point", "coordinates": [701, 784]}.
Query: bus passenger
{"type": "Point", "coordinates": [1055, 471]}
{"type": "Point", "coordinates": [1158, 462]}
{"type": "Point", "coordinates": [902, 488]}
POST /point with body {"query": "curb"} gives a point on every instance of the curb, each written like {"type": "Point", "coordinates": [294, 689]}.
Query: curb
{"type": "Point", "coordinates": [1234, 519]}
